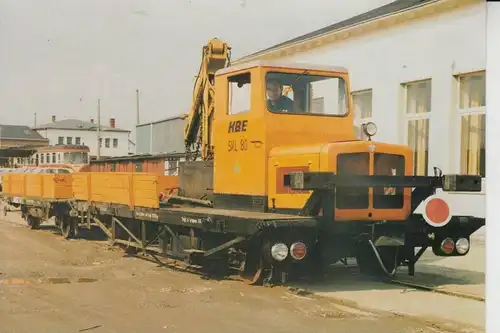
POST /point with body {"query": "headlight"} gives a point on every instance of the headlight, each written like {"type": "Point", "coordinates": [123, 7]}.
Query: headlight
{"type": "Point", "coordinates": [279, 251]}
{"type": "Point", "coordinates": [369, 128]}
{"type": "Point", "coordinates": [462, 245]}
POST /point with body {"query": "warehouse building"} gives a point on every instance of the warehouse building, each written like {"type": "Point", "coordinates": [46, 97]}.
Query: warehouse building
{"type": "Point", "coordinates": [161, 136]}
{"type": "Point", "coordinates": [417, 69]}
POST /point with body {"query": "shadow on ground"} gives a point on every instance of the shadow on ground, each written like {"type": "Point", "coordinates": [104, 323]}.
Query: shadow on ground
{"type": "Point", "coordinates": [348, 278]}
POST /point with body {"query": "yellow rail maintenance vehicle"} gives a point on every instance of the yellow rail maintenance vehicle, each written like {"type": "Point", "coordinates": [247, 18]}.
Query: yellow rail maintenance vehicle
{"type": "Point", "coordinates": [278, 186]}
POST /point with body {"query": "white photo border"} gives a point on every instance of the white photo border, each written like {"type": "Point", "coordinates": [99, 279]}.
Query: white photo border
{"type": "Point", "coordinates": [492, 164]}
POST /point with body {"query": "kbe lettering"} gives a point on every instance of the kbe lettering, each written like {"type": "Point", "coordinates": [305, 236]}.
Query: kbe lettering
{"type": "Point", "coordinates": [237, 126]}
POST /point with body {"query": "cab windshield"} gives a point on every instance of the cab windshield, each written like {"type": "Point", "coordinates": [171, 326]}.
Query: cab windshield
{"type": "Point", "coordinates": [306, 94]}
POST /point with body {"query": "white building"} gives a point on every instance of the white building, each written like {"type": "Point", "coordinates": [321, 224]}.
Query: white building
{"type": "Point", "coordinates": [417, 69]}
{"type": "Point", "coordinates": [114, 141]}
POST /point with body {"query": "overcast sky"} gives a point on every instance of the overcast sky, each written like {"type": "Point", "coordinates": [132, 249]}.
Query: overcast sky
{"type": "Point", "coordinates": [58, 56]}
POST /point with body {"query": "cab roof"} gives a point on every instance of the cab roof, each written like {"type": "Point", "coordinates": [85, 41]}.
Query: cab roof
{"type": "Point", "coordinates": [281, 64]}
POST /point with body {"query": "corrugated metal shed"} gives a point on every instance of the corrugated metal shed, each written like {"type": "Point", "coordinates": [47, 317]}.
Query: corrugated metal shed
{"type": "Point", "coordinates": [143, 139]}
{"type": "Point", "coordinates": [161, 136]}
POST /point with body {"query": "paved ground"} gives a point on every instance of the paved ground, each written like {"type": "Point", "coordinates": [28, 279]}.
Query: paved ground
{"type": "Point", "coordinates": [48, 284]}
{"type": "Point", "coordinates": [464, 275]}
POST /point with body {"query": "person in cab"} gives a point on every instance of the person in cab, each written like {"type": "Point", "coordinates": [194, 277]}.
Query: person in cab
{"type": "Point", "coordinates": [276, 101]}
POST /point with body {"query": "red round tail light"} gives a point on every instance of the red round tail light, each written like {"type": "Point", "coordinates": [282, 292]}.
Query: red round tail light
{"type": "Point", "coordinates": [448, 246]}
{"type": "Point", "coordinates": [298, 250]}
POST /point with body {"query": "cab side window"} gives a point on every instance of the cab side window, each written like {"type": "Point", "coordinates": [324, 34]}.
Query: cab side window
{"type": "Point", "coordinates": [239, 93]}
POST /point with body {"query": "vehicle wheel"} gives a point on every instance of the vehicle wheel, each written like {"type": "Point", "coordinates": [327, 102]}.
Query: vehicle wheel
{"type": "Point", "coordinates": [67, 229]}
{"type": "Point", "coordinates": [369, 264]}
{"type": "Point", "coordinates": [58, 221]}
{"type": "Point", "coordinates": [253, 272]}
{"type": "Point", "coordinates": [216, 268]}
{"type": "Point", "coordinates": [76, 230]}
{"type": "Point", "coordinates": [33, 222]}
{"type": "Point", "coordinates": [254, 268]}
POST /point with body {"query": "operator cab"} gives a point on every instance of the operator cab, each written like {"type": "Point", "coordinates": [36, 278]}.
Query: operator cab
{"type": "Point", "coordinates": [287, 103]}
{"type": "Point", "coordinates": [261, 105]}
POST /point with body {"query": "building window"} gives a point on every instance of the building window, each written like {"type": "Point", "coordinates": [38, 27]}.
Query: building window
{"type": "Point", "coordinates": [362, 102]}
{"type": "Point", "coordinates": [78, 140]}
{"type": "Point", "coordinates": [115, 143]}
{"type": "Point", "coordinates": [100, 142]}
{"type": "Point", "coordinates": [69, 140]}
{"type": "Point", "coordinates": [106, 142]}
{"type": "Point", "coordinates": [60, 140]}
{"type": "Point", "coordinates": [53, 157]}
{"type": "Point", "coordinates": [472, 107]}
{"type": "Point", "coordinates": [172, 168]}
{"type": "Point", "coordinates": [417, 112]}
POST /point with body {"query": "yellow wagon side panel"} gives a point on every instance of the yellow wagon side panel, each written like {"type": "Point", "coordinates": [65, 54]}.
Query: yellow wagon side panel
{"type": "Point", "coordinates": [111, 187]}
{"type": "Point", "coordinates": [81, 186]}
{"type": "Point", "coordinates": [6, 184]}
{"type": "Point", "coordinates": [145, 190]}
{"type": "Point", "coordinates": [57, 186]}
{"type": "Point", "coordinates": [34, 185]}
{"type": "Point", "coordinates": [15, 184]}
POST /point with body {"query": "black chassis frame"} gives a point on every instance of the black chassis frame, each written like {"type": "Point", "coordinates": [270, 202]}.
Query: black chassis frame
{"type": "Point", "coordinates": [414, 231]}
{"type": "Point", "coordinates": [225, 227]}
{"type": "Point", "coordinates": [228, 228]}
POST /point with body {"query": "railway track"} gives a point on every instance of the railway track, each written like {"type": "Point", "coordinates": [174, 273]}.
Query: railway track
{"type": "Point", "coordinates": [349, 272]}
{"type": "Point", "coordinates": [437, 290]}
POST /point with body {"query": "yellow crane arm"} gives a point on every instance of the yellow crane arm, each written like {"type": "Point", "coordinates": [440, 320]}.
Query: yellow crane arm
{"type": "Point", "coordinates": [197, 132]}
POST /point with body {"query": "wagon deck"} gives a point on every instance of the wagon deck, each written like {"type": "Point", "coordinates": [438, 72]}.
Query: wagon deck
{"type": "Point", "coordinates": [230, 220]}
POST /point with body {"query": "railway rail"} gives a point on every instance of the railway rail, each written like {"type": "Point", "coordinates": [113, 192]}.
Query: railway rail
{"type": "Point", "coordinates": [439, 290]}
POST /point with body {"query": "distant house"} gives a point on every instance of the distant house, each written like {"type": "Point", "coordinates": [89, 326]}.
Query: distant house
{"type": "Point", "coordinates": [114, 141]}
{"type": "Point", "coordinates": [20, 136]}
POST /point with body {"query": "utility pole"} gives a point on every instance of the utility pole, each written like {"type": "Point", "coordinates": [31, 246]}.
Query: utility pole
{"type": "Point", "coordinates": [98, 128]}
{"type": "Point", "coordinates": [137, 104]}
{"type": "Point", "coordinates": [35, 120]}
